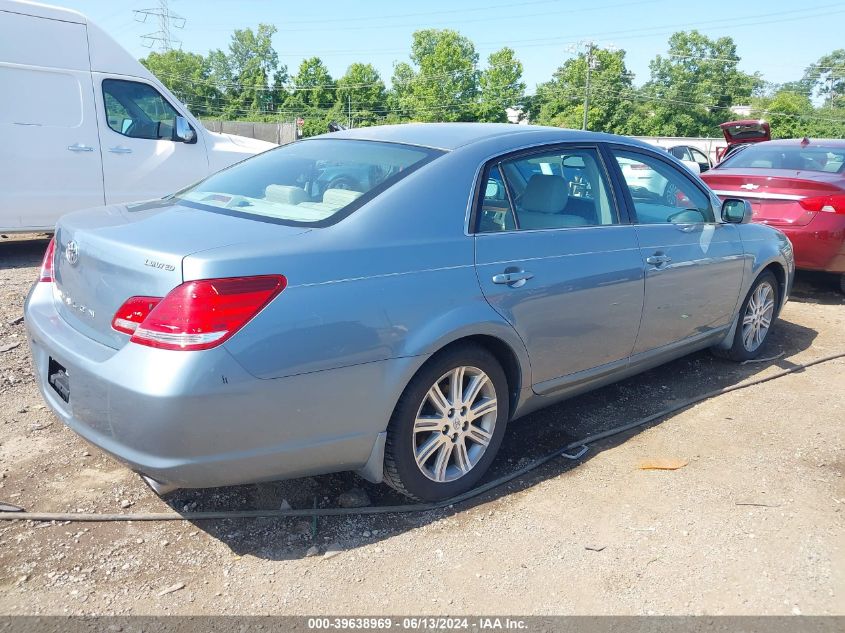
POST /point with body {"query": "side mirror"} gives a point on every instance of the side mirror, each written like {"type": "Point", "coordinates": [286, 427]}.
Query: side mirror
{"type": "Point", "coordinates": [183, 131]}
{"type": "Point", "coordinates": [736, 211]}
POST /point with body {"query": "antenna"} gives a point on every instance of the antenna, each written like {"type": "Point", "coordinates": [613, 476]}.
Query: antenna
{"type": "Point", "coordinates": [166, 19]}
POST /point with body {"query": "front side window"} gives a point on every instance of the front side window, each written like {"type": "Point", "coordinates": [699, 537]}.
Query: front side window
{"type": "Point", "coordinates": [314, 182]}
{"type": "Point", "coordinates": [662, 193]}
{"type": "Point", "coordinates": [553, 190]}
{"type": "Point", "coordinates": [138, 110]}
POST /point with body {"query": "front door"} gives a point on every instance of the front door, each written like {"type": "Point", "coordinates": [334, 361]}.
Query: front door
{"type": "Point", "coordinates": [693, 263]}
{"type": "Point", "coordinates": [556, 261]}
{"type": "Point", "coordinates": [140, 158]}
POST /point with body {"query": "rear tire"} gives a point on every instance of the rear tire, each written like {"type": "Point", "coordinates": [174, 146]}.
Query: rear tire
{"type": "Point", "coordinates": [756, 316]}
{"type": "Point", "coordinates": [448, 425]}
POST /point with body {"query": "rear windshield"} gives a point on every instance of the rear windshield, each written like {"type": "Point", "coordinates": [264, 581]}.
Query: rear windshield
{"type": "Point", "coordinates": [825, 159]}
{"type": "Point", "coordinates": [315, 182]}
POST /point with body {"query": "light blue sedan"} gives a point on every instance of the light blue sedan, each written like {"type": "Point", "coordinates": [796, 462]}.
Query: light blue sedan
{"type": "Point", "coordinates": [262, 325]}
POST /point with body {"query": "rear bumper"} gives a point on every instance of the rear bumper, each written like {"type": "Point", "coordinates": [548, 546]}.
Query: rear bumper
{"type": "Point", "coordinates": [198, 419]}
{"type": "Point", "coordinates": [819, 245]}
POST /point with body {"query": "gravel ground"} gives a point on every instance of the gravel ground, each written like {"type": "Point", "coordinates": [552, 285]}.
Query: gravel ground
{"type": "Point", "coordinates": [597, 536]}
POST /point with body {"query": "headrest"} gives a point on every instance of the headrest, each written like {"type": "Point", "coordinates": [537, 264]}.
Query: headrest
{"type": "Point", "coordinates": [545, 194]}
{"type": "Point", "coordinates": [285, 194]}
{"type": "Point", "coordinates": [340, 197]}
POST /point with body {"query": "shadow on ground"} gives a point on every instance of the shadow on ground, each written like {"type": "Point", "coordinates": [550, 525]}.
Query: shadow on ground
{"type": "Point", "coordinates": [527, 439]}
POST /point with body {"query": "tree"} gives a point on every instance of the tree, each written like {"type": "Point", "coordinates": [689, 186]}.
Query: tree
{"type": "Point", "coordinates": [313, 85]}
{"type": "Point", "coordinates": [501, 86]}
{"type": "Point", "coordinates": [444, 85]}
{"type": "Point", "coordinates": [361, 93]}
{"type": "Point", "coordinates": [693, 86]}
{"type": "Point", "coordinates": [560, 102]}
{"type": "Point", "coordinates": [827, 78]}
{"type": "Point", "coordinates": [252, 63]}
{"type": "Point", "coordinates": [188, 76]}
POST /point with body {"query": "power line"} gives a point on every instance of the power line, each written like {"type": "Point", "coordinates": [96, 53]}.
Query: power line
{"type": "Point", "coordinates": [165, 18]}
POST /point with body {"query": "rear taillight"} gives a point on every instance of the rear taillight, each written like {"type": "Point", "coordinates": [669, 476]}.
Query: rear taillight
{"type": "Point", "coordinates": [827, 204]}
{"type": "Point", "coordinates": [198, 314]}
{"type": "Point", "coordinates": [132, 313]}
{"type": "Point", "coordinates": [47, 263]}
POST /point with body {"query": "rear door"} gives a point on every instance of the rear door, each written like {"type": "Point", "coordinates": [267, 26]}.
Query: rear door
{"type": "Point", "coordinates": [140, 158]}
{"type": "Point", "coordinates": [693, 263]}
{"type": "Point", "coordinates": [49, 156]}
{"type": "Point", "coordinates": [557, 261]}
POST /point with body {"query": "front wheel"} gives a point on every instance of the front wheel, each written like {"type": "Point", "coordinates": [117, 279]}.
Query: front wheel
{"type": "Point", "coordinates": [448, 425]}
{"type": "Point", "coordinates": [755, 320]}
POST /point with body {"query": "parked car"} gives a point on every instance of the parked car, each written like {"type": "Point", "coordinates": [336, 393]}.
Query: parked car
{"type": "Point", "coordinates": [246, 329]}
{"type": "Point", "coordinates": [692, 157]}
{"type": "Point", "coordinates": [797, 186]}
{"type": "Point", "coordinates": [740, 134]}
{"type": "Point", "coordinates": [84, 123]}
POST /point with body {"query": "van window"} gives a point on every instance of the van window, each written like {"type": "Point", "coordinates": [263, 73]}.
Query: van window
{"type": "Point", "coordinates": [138, 110]}
{"type": "Point", "coordinates": [23, 101]}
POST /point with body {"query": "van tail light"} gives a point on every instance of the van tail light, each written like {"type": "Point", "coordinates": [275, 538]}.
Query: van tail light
{"type": "Point", "coordinates": [827, 204]}
{"type": "Point", "coordinates": [46, 273]}
{"type": "Point", "coordinates": [199, 314]}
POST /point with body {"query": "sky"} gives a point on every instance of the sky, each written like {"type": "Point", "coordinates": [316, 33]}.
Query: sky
{"type": "Point", "coordinates": [778, 38]}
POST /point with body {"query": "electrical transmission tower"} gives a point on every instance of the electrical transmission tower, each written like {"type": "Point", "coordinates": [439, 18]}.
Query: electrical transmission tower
{"type": "Point", "coordinates": [166, 20]}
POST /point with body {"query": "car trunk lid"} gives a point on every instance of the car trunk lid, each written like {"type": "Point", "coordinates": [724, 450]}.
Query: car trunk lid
{"type": "Point", "coordinates": [746, 131]}
{"type": "Point", "coordinates": [106, 255]}
{"type": "Point", "coordinates": [774, 194]}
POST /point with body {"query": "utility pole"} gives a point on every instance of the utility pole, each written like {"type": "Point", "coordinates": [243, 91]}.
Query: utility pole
{"type": "Point", "coordinates": [349, 111]}
{"type": "Point", "coordinates": [165, 19]}
{"type": "Point", "coordinates": [591, 63]}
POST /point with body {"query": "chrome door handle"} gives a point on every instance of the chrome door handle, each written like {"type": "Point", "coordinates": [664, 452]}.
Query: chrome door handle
{"type": "Point", "coordinates": [658, 260]}
{"type": "Point", "coordinates": [120, 150]}
{"type": "Point", "coordinates": [79, 147]}
{"type": "Point", "coordinates": [516, 278]}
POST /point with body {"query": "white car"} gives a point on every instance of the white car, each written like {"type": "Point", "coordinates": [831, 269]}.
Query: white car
{"type": "Point", "coordinates": [85, 124]}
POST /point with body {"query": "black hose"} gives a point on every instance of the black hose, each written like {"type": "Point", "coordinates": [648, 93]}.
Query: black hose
{"type": "Point", "coordinates": [411, 507]}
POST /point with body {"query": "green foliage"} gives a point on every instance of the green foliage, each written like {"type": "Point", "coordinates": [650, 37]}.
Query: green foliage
{"type": "Point", "coordinates": [560, 102]}
{"type": "Point", "coordinates": [500, 86]}
{"type": "Point", "coordinates": [827, 77]}
{"type": "Point", "coordinates": [187, 75]}
{"type": "Point", "coordinates": [444, 84]}
{"type": "Point", "coordinates": [690, 90]}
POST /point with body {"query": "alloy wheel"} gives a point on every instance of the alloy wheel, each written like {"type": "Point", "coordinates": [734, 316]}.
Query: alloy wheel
{"type": "Point", "coordinates": [758, 316]}
{"type": "Point", "coordinates": [454, 424]}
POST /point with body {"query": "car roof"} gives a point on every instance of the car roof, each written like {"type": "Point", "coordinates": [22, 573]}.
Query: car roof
{"type": "Point", "coordinates": [39, 10]}
{"type": "Point", "coordinates": [817, 142]}
{"type": "Point", "coordinates": [451, 136]}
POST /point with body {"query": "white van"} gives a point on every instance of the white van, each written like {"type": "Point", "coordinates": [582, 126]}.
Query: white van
{"type": "Point", "coordinates": [83, 123]}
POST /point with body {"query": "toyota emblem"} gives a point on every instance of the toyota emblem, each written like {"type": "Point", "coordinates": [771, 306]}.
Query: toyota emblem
{"type": "Point", "coordinates": [72, 252]}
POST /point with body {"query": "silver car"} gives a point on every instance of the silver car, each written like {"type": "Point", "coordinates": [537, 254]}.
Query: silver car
{"type": "Point", "coordinates": [261, 325]}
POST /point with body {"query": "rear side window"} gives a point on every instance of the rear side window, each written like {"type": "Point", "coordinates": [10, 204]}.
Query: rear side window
{"type": "Point", "coordinates": [794, 157]}
{"type": "Point", "coordinates": [315, 182]}
{"type": "Point", "coordinates": [662, 193]}
{"type": "Point", "coordinates": [138, 110]}
{"type": "Point", "coordinates": [25, 99]}
{"type": "Point", "coordinates": [565, 188]}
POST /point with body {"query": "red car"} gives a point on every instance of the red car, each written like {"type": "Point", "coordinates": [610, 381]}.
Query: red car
{"type": "Point", "coordinates": [797, 186]}
{"type": "Point", "coordinates": [741, 133]}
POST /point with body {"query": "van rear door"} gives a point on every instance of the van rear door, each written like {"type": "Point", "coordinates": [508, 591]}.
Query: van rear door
{"type": "Point", "coordinates": [50, 155]}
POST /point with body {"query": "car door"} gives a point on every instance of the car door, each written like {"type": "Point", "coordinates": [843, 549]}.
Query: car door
{"type": "Point", "coordinates": [555, 258]}
{"type": "Point", "coordinates": [701, 158]}
{"type": "Point", "coordinates": [49, 157]}
{"type": "Point", "coordinates": [693, 263]}
{"type": "Point", "coordinates": [141, 159]}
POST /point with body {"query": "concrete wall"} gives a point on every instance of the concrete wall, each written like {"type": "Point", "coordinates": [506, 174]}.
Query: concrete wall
{"type": "Point", "coordinates": [279, 133]}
